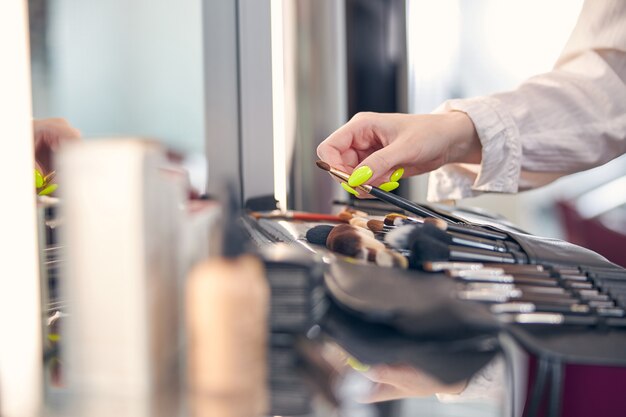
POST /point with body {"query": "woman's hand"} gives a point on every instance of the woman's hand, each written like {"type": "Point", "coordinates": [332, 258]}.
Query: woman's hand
{"type": "Point", "coordinates": [403, 381]}
{"type": "Point", "coordinates": [379, 148]}
{"type": "Point", "coordinates": [48, 135]}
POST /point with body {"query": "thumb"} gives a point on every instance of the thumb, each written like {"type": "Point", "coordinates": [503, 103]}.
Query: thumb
{"type": "Point", "coordinates": [382, 163]}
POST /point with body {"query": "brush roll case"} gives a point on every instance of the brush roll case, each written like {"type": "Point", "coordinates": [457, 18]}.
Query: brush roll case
{"type": "Point", "coordinates": [423, 304]}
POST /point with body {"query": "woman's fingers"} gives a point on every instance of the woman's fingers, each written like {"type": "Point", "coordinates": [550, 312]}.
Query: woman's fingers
{"type": "Point", "coordinates": [351, 143]}
{"type": "Point", "coordinates": [49, 134]}
{"type": "Point", "coordinates": [378, 167]}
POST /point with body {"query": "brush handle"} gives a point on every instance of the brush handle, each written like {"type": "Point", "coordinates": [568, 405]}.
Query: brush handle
{"type": "Point", "coordinates": [522, 307]}
{"type": "Point", "coordinates": [405, 204]}
{"type": "Point", "coordinates": [315, 217]}
{"type": "Point", "coordinates": [476, 231]}
{"type": "Point", "coordinates": [462, 253]}
{"type": "Point", "coordinates": [476, 242]}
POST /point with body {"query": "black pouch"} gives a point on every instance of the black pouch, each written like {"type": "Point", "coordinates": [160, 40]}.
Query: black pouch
{"type": "Point", "coordinates": [423, 304]}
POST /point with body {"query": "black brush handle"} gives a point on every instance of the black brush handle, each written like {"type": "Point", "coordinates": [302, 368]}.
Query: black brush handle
{"type": "Point", "coordinates": [405, 204]}
{"type": "Point", "coordinates": [476, 231]}
{"type": "Point", "coordinates": [462, 253]}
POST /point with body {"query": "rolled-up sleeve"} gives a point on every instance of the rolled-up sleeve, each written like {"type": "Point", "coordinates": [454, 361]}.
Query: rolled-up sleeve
{"type": "Point", "coordinates": [567, 120]}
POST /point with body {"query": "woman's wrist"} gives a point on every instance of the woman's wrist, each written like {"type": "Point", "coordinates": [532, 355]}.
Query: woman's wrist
{"type": "Point", "coordinates": [465, 146]}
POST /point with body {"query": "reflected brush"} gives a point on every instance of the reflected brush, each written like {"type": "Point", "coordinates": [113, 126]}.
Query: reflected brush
{"type": "Point", "coordinates": [397, 201]}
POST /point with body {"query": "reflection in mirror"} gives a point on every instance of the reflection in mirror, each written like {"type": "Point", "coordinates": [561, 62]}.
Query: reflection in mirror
{"type": "Point", "coordinates": [119, 68]}
{"type": "Point", "coordinates": [108, 69]}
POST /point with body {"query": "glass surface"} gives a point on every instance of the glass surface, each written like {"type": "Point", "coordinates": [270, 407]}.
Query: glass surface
{"type": "Point", "coordinates": [320, 375]}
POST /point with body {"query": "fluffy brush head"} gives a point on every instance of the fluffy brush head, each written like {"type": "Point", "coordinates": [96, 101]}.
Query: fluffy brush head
{"type": "Point", "coordinates": [434, 232]}
{"type": "Point", "coordinates": [425, 248]}
{"type": "Point", "coordinates": [438, 223]}
{"type": "Point", "coordinates": [399, 237]}
{"type": "Point", "coordinates": [347, 243]}
{"type": "Point", "coordinates": [323, 165]}
{"type": "Point", "coordinates": [376, 226]}
{"type": "Point", "coordinates": [318, 234]}
{"type": "Point", "coordinates": [394, 219]}
{"type": "Point", "coordinates": [350, 240]}
{"type": "Point", "coordinates": [345, 216]}
{"type": "Point", "coordinates": [359, 222]}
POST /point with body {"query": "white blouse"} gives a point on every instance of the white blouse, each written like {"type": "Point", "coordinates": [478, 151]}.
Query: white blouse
{"type": "Point", "coordinates": [567, 120]}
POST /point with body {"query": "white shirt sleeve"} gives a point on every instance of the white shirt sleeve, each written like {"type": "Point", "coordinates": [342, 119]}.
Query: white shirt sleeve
{"type": "Point", "coordinates": [567, 120]}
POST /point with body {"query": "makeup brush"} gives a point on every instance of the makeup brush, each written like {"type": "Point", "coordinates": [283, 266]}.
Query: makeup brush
{"type": "Point", "coordinates": [556, 292]}
{"type": "Point", "coordinates": [397, 201]}
{"type": "Point", "coordinates": [317, 235]}
{"type": "Point", "coordinates": [466, 228]}
{"type": "Point", "coordinates": [455, 238]}
{"type": "Point", "coordinates": [517, 295]}
{"type": "Point", "coordinates": [341, 228]}
{"type": "Point", "coordinates": [359, 222]}
{"type": "Point", "coordinates": [424, 248]}
{"type": "Point", "coordinates": [352, 241]}
{"type": "Point", "coordinates": [560, 319]}
{"type": "Point", "coordinates": [377, 226]}
{"type": "Point", "coordinates": [400, 237]}
{"type": "Point", "coordinates": [297, 215]}
{"type": "Point", "coordinates": [523, 307]}
{"type": "Point", "coordinates": [474, 276]}
{"type": "Point", "coordinates": [397, 219]}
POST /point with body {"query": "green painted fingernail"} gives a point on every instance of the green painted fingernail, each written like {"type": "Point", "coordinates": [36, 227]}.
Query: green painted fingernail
{"type": "Point", "coordinates": [397, 174]}
{"type": "Point", "coordinates": [389, 186]}
{"type": "Point", "coordinates": [349, 189]}
{"type": "Point", "coordinates": [38, 179]}
{"type": "Point", "coordinates": [49, 189]}
{"type": "Point", "coordinates": [357, 365]}
{"type": "Point", "coordinates": [360, 175]}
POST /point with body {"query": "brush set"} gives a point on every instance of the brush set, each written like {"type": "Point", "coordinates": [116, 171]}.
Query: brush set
{"type": "Point", "coordinates": [487, 265]}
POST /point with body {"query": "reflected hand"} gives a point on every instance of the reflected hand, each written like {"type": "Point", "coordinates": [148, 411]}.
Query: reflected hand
{"type": "Point", "coordinates": [403, 381]}
{"type": "Point", "coordinates": [48, 135]}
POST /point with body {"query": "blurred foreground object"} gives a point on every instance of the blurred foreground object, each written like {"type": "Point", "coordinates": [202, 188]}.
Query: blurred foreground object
{"type": "Point", "coordinates": [127, 238]}
{"type": "Point", "coordinates": [227, 301]}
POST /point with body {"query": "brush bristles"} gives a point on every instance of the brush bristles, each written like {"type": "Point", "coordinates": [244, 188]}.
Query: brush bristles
{"type": "Point", "coordinates": [376, 226]}
{"type": "Point", "coordinates": [357, 243]}
{"type": "Point", "coordinates": [359, 222]}
{"type": "Point", "coordinates": [318, 234]}
{"type": "Point", "coordinates": [389, 258]}
{"type": "Point", "coordinates": [391, 219]}
{"type": "Point", "coordinates": [424, 248]}
{"type": "Point", "coordinates": [349, 244]}
{"type": "Point", "coordinates": [345, 216]}
{"type": "Point", "coordinates": [355, 212]}
{"type": "Point", "coordinates": [398, 237]}
{"type": "Point", "coordinates": [323, 165]}
{"type": "Point", "coordinates": [438, 223]}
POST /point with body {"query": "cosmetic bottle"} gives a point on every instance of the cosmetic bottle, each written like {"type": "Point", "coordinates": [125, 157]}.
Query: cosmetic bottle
{"type": "Point", "coordinates": [227, 301]}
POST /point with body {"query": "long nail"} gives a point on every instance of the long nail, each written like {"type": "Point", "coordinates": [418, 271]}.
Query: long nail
{"type": "Point", "coordinates": [389, 186]}
{"type": "Point", "coordinates": [396, 175]}
{"type": "Point", "coordinates": [38, 179]}
{"type": "Point", "coordinates": [349, 189]}
{"type": "Point", "coordinates": [49, 189]}
{"type": "Point", "coordinates": [357, 365]}
{"type": "Point", "coordinates": [360, 175]}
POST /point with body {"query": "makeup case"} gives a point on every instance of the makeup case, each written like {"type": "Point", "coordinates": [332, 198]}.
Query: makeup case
{"type": "Point", "coordinates": [424, 304]}
{"type": "Point", "coordinates": [424, 307]}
